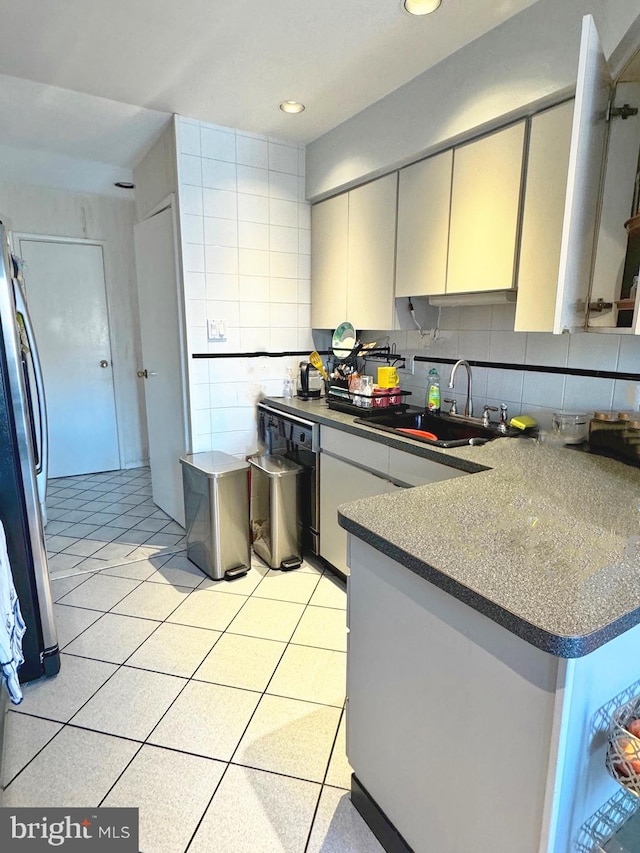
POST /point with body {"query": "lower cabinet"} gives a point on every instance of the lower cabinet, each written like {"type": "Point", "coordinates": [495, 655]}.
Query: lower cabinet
{"type": "Point", "coordinates": [341, 482]}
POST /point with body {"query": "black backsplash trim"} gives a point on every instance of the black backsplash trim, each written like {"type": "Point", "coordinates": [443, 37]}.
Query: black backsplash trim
{"type": "Point", "coordinates": [527, 368]}
{"type": "Point", "coordinates": [538, 368]}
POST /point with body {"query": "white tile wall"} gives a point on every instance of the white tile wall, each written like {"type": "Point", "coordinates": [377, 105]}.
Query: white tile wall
{"type": "Point", "coordinates": [486, 334]}
{"type": "Point", "coordinates": [245, 234]}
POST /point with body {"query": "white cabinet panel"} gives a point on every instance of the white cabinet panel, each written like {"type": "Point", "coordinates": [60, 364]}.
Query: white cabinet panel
{"type": "Point", "coordinates": [545, 192]}
{"type": "Point", "coordinates": [369, 454]}
{"type": "Point", "coordinates": [417, 471]}
{"type": "Point", "coordinates": [371, 256]}
{"type": "Point", "coordinates": [424, 199]}
{"type": "Point", "coordinates": [341, 483]}
{"type": "Point", "coordinates": [485, 203]}
{"type": "Point", "coordinates": [329, 240]}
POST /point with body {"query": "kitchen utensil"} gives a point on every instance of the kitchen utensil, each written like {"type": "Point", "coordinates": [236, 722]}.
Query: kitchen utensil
{"type": "Point", "coordinates": [343, 340]}
{"type": "Point", "coordinates": [316, 361]}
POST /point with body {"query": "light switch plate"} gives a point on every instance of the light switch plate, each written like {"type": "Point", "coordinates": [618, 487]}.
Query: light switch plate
{"type": "Point", "coordinates": [216, 330]}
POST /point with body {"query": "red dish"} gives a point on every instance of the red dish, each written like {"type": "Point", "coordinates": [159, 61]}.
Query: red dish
{"type": "Point", "coordinates": [420, 433]}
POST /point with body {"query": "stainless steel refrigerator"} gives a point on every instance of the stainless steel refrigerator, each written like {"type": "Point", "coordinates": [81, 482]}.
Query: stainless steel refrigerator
{"type": "Point", "coordinates": [23, 471]}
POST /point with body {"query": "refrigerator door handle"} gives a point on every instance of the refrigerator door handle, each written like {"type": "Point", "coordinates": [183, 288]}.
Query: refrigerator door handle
{"type": "Point", "coordinates": [42, 450]}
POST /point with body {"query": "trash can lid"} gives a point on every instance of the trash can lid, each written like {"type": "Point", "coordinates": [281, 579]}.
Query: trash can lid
{"type": "Point", "coordinates": [274, 465]}
{"type": "Point", "coordinates": [214, 463]}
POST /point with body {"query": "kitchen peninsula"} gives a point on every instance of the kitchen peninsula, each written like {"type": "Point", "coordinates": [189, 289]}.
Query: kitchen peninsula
{"type": "Point", "coordinates": [494, 623]}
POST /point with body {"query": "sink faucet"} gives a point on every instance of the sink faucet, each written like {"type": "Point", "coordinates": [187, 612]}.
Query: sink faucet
{"type": "Point", "coordinates": [468, 406]}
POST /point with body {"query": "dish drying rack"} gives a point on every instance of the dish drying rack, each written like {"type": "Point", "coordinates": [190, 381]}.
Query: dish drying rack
{"type": "Point", "coordinates": [341, 399]}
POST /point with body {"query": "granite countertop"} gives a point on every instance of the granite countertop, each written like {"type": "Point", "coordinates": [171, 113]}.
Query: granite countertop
{"type": "Point", "coordinates": [544, 540]}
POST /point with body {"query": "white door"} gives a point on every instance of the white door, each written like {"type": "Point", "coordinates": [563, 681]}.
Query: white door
{"type": "Point", "coordinates": [67, 301]}
{"type": "Point", "coordinates": [163, 358]}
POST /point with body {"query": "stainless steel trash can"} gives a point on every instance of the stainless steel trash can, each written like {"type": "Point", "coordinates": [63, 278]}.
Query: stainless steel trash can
{"type": "Point", "coordinates": [216, 508]}
{"type": "Point", "coordinates": [275, 521]}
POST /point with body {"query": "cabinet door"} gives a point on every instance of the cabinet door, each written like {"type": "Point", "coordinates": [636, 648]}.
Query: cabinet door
{"type": "Point", "coordinates": [546, 189]}
{"type": "Point", "coordinates": [340, 483]}
{"type": "Point", "coordinates": [424, 199]}
{"type": "Point", "coordinates": [329, 240]}
{"type": "Point", "coordinates": [485, 203]}
{"type": "Point", "coordinates": [586, 155]}
{"type": "Point", "coordinates": [371, 256]}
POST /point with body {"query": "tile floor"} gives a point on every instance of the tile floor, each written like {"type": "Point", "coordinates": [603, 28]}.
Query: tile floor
{"type": "Point", "coordinates": [216, 708]}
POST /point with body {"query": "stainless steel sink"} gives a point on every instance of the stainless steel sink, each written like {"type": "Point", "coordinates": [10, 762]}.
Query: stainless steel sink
{"type": "Point", "coordinates": [449, 431]}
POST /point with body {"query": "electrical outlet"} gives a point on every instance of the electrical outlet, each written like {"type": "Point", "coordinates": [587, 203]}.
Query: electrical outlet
{"type": "Point", "coordinates": [409, 368]}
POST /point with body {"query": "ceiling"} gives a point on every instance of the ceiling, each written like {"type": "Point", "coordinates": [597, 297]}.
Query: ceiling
{"type": "Point", "coordinates": [97, 80]}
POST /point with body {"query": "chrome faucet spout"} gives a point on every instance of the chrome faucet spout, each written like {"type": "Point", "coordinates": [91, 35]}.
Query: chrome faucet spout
{"type": "Point", "coordinates": [468, 406]}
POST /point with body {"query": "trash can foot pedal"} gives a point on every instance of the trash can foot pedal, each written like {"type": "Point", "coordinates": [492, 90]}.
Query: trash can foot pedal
{"type": "Point", "coordinates": [235, 572]}
{"type": "Point", "coordinates": [291, 563]}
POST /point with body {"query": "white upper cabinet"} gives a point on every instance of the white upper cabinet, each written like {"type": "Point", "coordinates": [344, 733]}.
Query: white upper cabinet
{"type": "Point", "coordinates": [329, 244]}
{"type": "Point", "coordinates": [371, 255]}
{"type": "Point", "coordinates": [353, 241]}
{"type": "Point", "coordinates": [485, 206]}
{"type": "Point", "coordinates": [544, 201]}
{"type": "Point", "coordinates": [424, 200]}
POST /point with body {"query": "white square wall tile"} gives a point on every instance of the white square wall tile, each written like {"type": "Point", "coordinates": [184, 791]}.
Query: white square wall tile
{"type": "Point", "coordinates": [283, 315]}
{"type": "Point", "coordinates": [223, 310]}
{"type": "Point", "coordinates": [252, 152]}
{"type": "Point", "coordinates": [194, 285]}
{"type": "Point", "coordinates": [304, 241]}
{"type": "Point", "coordinates": [200, 396]}
{"type": "Point", "coordinates": [283, 290]}
{"type": "Point", "coordinates": [253, 235]}
{"type": "Point", "coordinates": [507, 347]}
{"type": "Point", "coordinates": [283, 212]}
{"type": "Point", "coordinates": [543, 389]}
{"type": "Point", "coordinates": [220, 203]}
{"type": "Point", "coordinates": [283, 158]}
{"type": "Point", "coordinates": [218, 144]}
{"type": "Point", "coordinates": [253, 208]}
{"type": "Point", "coordinates": [222, 286]}
{"type": "Point", "coordinates": [284, 265]}
{"type": "Point", "coordinates": [254, 262]}
{"type": "Point", "coordinates": [190, 170]}
{"type": "Point", "coordinates": [283, 239]}
{"type": "Point", "coordinates": [253, 315]}
{"type": "Point", "coordinates": [283, 186]}
{"type": "Point", "coordinates": [253, 181]}
{"type": "Point", "coordinates": [221, 259]}
{"type": "Point", "coordinates": [304, 266]}
{"type": "Point", "coordinates": [304, 215]}
{"type": "Point", "coordinates": [304, 316]}
{"type": "Point", "coordinates": [546, 349]}
{"type": "Point", "coordinates": [593, 351]}
{"type": "Point", "coordinates": [196, 312]}
{"type": "Point", "coordinates": [188, 137]}
{"type": "Point", "coordinates": [220, 232]}
{"type": "Point", "coordinates": [583, 393]}
{"type": "Point", "coordinates": [190, 199]}
{"type": "Point", "coordinates": [219, 175]}
{"type": "Point", "coordinates": [254, 288]}
{"type": "Point", "coordinates": [193, 257]}
{"type": "Point", "coordinates": [629, 356]}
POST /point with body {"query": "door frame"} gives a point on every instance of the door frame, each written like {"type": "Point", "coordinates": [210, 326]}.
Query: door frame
{"type": "Point", "coordinates": [14, 239]}
{"type": "Point", "coordinates": [171, 201]}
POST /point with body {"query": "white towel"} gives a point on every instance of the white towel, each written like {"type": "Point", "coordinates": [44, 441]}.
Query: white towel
{"type": "Point", "coordinates": [12, 626]}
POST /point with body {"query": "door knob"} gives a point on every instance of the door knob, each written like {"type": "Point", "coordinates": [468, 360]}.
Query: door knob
{"type": "Point", "coordinates": [104, 363]}
{"type": "Point", "coordinates": [145, 374]}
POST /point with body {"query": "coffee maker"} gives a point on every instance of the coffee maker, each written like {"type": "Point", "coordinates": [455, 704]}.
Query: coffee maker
{"type": "Point", "coordinates": [309, 381]}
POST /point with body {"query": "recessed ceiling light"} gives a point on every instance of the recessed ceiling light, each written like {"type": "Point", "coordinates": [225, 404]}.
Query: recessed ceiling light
{"type": "Point", "coordinates": [421, 7]}
{"type": "Point", "coordinates": [125, 185]}
{"type": "Point", "coordinates": [291, 107]}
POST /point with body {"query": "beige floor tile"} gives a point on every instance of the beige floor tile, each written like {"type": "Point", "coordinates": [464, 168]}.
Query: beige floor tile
{"type": "Point", "coordinates": [175, 649]}
{"type": "Point", "coordinates": [152, 601]}
{"type": "Point", "coordinates": [247, 662]}
{"type": "Point", "coordinates": [59, 697]}
{"type": "Point", "coordinates": [240, 586]}
{"type": "Point", "coordinates": [71, 621]}
{"type": "Point", "coordinates": [112, 638]}
{"type": "Point", "coordinates": [291, 737]}
{"type": "Point", "coordinates": [178, 571]}
{"type": "Point", "coordinates": [207, 609]}
{"type": "Point", "coordinates": [100, 592]}
{"type": "Point", "coordinates": [316, 675]}
{"type": "Point", "coordinates": [322, 627]}
{"type": "Point", "coordinates": [206, 719]}
{"type": "Point", "coordinates": [61, 586]}
{"type": "Point", "coordinates": [339, 773]}
{"type": "Point", "coordinates": [330, 592]}
{"type": "Point", "coordinates": [338, 827]}
{"type": "Point", "coordinates": [25, 737]}
{"type": "Point", "coordinates": [256, 812]}
{"type": "Point", "coordinates": [288, 586]}
{"type": "Point", "coordinates": [268, 619]}
{"type": "Point", "coordinates": [130, 704]}
{"type": "Point", "coordinates": [76, 769]}
{"type": "Point", "coordinates": [139, 570]}
{"type": "Point", "coordinates": [171, 790]}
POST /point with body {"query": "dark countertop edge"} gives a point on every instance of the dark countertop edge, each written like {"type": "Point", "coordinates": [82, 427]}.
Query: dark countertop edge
{"type": "Point", "coordinates": [558, 645]}
{"type": "Point", "coordinates": [406, 445]}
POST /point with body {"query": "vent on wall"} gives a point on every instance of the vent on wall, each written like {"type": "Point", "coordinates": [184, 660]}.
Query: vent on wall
{"type": "Point", "coordinates": [484, 297]}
